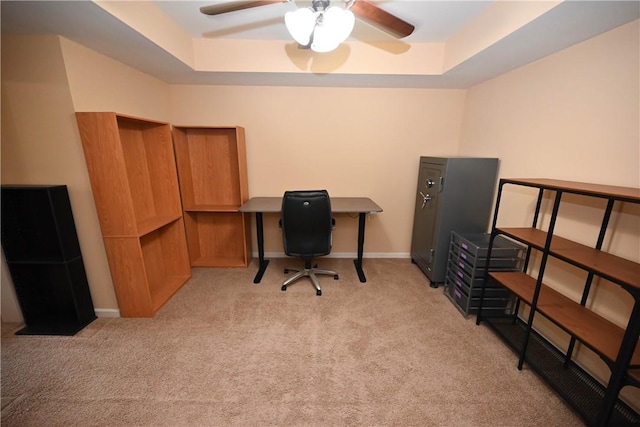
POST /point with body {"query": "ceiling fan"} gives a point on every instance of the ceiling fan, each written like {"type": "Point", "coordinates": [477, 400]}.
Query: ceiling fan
{"type": "Point", "coordinates": [323, 27]}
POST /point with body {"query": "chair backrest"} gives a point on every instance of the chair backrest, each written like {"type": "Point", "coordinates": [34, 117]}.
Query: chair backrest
{"type": "Point", "coordinates": [306, 222]}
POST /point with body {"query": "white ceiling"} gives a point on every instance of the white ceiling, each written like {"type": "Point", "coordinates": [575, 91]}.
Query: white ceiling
{"type": "Point", "coordinates": [436, 22]}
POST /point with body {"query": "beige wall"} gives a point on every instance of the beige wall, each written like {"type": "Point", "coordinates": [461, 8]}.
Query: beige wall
{"type": "Point", "coordinates": [44, 81]}
{"type": "Point", "coordinates": [353, 142]}
{"type": "Point", "coordinates": [98, 83]}
{"type": "Point", "coordinates": [40, 146]}
{"type": "Point", "coordinates": [567, 116]}
{"type": "Point", "coordinates": [574, 115]}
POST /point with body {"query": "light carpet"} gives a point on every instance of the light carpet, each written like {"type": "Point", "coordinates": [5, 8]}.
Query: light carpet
{"type": "Point", "coordinates": [226, 352]}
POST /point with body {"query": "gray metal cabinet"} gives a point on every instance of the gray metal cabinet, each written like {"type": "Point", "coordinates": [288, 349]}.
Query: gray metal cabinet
{"type": "Point", "coordinates": [453, 194]}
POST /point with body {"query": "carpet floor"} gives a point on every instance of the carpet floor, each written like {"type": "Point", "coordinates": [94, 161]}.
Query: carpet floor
{"type": "Point", "coordinates": [226, 352]}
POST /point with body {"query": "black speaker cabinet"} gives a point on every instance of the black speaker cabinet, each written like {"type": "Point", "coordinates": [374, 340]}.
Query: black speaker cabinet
{"type": "Point", "coordinates": [41, 248]}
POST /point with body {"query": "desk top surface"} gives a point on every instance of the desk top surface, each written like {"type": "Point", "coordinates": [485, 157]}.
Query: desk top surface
{"type": "Point", "coordinates": [338, 205]}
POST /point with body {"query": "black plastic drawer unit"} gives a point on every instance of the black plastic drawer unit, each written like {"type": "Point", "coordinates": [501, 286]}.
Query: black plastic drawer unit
{"type": "Point", "coordinates": [466, 268]}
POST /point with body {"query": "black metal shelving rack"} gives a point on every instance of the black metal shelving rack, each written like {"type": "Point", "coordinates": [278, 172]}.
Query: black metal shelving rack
{"type": "Point", "coordinates": [596, 403]}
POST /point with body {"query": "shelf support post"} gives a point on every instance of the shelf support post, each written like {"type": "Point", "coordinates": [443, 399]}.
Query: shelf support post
{"type": "Point", "coordinates": [587, 286]}
{"type": "Point", "coordinates": [491, 238]}
{"type": "Point", "coordinates": [543, 264]}
{"type": "Point", "coordinates": [618, 371]}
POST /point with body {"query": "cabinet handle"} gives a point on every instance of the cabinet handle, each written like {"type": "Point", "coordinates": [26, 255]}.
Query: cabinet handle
{"type": "Point", "coordinates": [425, 199]}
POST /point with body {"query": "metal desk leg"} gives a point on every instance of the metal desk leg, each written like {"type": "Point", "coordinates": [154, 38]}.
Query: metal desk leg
{"type": "Point", "coordinates": [263, 262]}
{"type": "Point", "coordinates": [358, 262]}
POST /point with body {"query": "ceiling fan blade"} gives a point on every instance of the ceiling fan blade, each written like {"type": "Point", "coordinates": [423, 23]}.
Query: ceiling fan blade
{"type": "Point", "coordinates": [218, 9]}
{"type": "Point", "coordinates": [371, 13]}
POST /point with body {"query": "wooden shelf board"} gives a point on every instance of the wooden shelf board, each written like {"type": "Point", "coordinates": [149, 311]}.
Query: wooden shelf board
{"type": "Point", "coordinates": [161, 294]}
{"type": "Point", "coordinates": [211, 208]}
{"type": "Point", "coordinates": [219, 262]}
{"type": "Point", "coordinates": [151, 224]}
{"type": "Point", "coordinates": [140, 121]}
{"type": "Point", "coordinates": [611, 267]}
{"type": "Point", "coordinates": [531, 236]}
{"type": "Point", "coordinates": [597, 332]}
{"type": "Point", "coordinates": [629, 194]}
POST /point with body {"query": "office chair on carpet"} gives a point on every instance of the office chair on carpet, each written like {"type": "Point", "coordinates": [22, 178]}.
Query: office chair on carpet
{"type": "Point", "coordinates": [306, 223]}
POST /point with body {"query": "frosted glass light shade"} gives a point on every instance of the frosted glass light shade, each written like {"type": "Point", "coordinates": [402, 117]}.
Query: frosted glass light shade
{"type": "Point", "coordinates": [300, 25]}
{"type": "Point", "coordinates": [336, 26]}
{"type": "Point", "coordinates": [324, 30]}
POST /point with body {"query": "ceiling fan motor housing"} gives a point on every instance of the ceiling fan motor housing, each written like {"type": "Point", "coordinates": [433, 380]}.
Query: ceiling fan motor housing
{"type": "Point", "coordinates": [320, 5]}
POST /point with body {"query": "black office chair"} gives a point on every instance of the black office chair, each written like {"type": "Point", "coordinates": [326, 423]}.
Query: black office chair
{"type": "Point", "coordinates": [306, 223]}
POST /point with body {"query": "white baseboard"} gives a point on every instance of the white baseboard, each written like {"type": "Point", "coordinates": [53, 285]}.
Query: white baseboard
{"type": "Point", "coordinates": [402, 255]}
{"type": "Point", "coordinates": [107, 312]}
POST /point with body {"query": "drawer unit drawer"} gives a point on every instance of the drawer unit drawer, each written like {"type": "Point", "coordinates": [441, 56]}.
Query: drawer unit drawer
{"type": "Point", "coordinates": [477, 246]}
{"type": "Point", "coordinates": [493, 288]}
{"type": "Point", "coordinates": [473, 279]}
{"type": "Point", "coordinates": [469, 305]}
{"type": "Point", "coordinates": [504, 263]}
{"type": "Point", "coordinates": [469, 263]}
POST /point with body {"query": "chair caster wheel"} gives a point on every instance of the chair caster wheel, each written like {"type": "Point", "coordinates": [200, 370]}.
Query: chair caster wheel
{"type": "Point", "coordinates": [283, 288]}
{"type": "Point", "coordinates": [335, 277]}
{"type": "Point", "coordinates": [286, 271]}
{"type": "Point", "coordinates": [318, 292]}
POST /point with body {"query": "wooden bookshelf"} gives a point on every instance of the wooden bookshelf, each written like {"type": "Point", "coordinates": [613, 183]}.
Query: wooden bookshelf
{"type": "Point", "coordinates": [133, 175]}
{"type": "Point", "coordinates": [213, 180]}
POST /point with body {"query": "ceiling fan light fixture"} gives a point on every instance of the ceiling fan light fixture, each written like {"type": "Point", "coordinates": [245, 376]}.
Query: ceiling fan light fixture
{"type": "Point", "coordinates": [322, 31]}
{"type": "Point", "coordinates": [301, 24]}
{"type": "Point", "coordinates": [336, 26]}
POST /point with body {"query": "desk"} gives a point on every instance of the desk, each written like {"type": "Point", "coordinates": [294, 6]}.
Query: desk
{"type": "Point", "coordinates": [360, 205]}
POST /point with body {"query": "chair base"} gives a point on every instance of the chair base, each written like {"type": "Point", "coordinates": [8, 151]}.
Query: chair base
{"type": "Point", "coordinates": [311, 274]}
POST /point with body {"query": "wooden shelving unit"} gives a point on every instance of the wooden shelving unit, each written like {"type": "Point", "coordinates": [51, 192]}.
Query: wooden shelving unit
{"type": "Point", "coordinates": [212, 167]}
{"type": "Point", "coordinates": [618, 347]}
{"type": "Point", "coordinates": [133, 175]}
